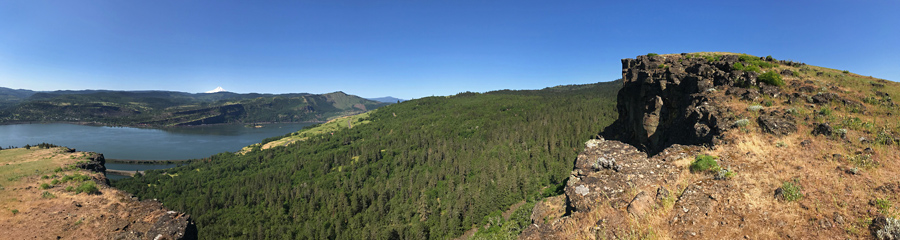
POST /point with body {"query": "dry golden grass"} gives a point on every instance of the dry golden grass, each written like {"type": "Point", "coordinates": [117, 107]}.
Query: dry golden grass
{"type": "Point", "coordinates": [763, 162]}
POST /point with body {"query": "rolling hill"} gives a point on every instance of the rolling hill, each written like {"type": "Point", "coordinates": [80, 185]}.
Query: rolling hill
{"type": "Point", "coordinates": [166, 108]}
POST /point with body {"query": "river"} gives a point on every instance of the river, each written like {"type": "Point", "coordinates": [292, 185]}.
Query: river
{"type": "Point", "coordinates": [144, 143]}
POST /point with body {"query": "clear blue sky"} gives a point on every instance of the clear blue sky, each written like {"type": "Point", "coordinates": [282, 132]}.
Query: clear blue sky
{"type": "Point", "coordinates": [412, 49]}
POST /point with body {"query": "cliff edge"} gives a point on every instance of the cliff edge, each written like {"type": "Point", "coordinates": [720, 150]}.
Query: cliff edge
{"type": "Point", "coordinates": [57, 193]}
{"type": "Point", "coordinates": [733, 146]}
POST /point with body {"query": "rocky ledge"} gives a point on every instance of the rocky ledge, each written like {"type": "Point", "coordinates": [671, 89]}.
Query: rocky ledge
{"type": "Point", "coordinates": [74, 201]}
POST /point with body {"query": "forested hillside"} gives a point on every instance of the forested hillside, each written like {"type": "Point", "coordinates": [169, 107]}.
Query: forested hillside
{"type": "Point", "coordinates": [165, 108]}
{"type": "Point", "coordinates": [428, 168]}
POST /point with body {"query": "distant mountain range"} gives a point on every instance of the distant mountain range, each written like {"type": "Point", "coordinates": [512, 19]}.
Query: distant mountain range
{"type": "Point", "coordinates": [169, 108]}
{"type": "Point", "coordinates": [387, 99]}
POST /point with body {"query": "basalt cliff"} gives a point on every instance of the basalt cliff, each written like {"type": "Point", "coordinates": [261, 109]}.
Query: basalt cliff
{"type": "Point", "coordinates": [733, 146]}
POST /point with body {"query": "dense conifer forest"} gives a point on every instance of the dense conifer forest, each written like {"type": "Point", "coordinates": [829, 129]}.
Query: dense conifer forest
{"type": "Point", "coordinates": [429, 168]}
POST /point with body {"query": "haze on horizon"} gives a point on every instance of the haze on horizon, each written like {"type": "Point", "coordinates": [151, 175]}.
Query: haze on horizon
{"type": "Point", "coordinates": [412, 49]}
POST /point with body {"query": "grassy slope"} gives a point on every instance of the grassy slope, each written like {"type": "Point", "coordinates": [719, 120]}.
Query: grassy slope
{"type": "Point", "coordinates": [837, 176]}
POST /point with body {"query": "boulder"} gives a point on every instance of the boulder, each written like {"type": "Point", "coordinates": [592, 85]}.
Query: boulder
{"type": "Point", "coordinates": [885, 228]}
{"type": "Point", "coordinates": [640, 205]}
{"type": "Point", "coordinates": [823, 98]}
{"type": "Point", "coordinates": [787, 72]}
{"type": "Point", "coordinates": [777, 123]}
{"type": "Point", "coordinates": [823, 129]}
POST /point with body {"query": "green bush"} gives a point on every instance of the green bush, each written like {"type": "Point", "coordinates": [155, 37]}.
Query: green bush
{"type": "Point", "coordinates": [755, 61]}
{"type": "Point", "coordinates": [45, 177]}
{"type": "Point", "coordinates": [703, 163]}
{"type": "Point", "coordinates": [652, 54]}
{"type": "Point", "coordinates": [46, 194]}
{"type": "Point", "coordinates": [747, 68]}
{"type": "Point", "coordinates": [45, 186]}
{"type": "Point", "coordinates": [883, 204]}
{"type": "Point", "coordinates": [791, 191]}
{"type": "Point", "coordinates": [845, 72]}
{"type": "Point", "coordinates": [70, 188]}
{"type": "Point", "coordinates": [15, 211]}
{"type": "Point", "coordinates": [76, 177]}
{"type": "Point", "coordinates": [87, 187]}
{"type": "Point", "coordinates": [55, 181]}
{"type": "Point", "coordinates": [825, 111]}
{"type": "Point", "coordinates": [769, 58]}
{"type": "Point", "coordinates": [771, 78]}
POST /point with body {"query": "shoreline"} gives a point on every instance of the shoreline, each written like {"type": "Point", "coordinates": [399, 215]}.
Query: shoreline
{"type": "Point", "coordinates": [149, 162]}
{"type": "Point", "coordinates": [98, 124]}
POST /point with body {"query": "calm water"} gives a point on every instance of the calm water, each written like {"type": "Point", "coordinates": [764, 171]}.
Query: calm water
{"type": "Point", "coordinates": [143, 143]}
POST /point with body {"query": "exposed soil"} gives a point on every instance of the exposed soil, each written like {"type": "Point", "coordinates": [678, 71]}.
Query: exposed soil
{"type": "Point", "coordinates": [30, 212]}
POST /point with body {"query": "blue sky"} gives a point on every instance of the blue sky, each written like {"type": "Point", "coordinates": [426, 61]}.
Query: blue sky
{"type": "Point", "coordinates": [412, 49]}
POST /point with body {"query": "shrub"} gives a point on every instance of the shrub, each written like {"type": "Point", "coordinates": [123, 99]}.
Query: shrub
{"type": "Point", "coordinates": [70, 188]}
{"type": "Point", "coordinates": [755, 108]}
{"type": "Point", "coordinates": [742, 122]}
{"type": "Point", "coordinates": [55, 181]}
{"type": "Point", "coordinates": [845, 71]}
{"type": "Point", "coordinates": [825, 111]}
{"type": "Point", "coordinates": [87, 187]}
{"type": "Point", "coordinates": [791, 191]}
{"type": "Point", "coordinates": [59, 169]}
{"type": "Point", "coordinates": [652, 54]}
{"type": "Point", "coordinates": [769, 58]}
{"type": "Point", "coordinates": [884, 138]}
{"type": "Point", "coordinates": [712, 58]}
{"type": "Point", "coordinates": [45, 186]}
{"type": "Point", "coordinates": [662, 66]}
{"type": "Point", "coordinates": [724, 174]}
{"type": "Point", "coordinates": [703, 163]}
{"type": "Point", "coordinates": [891, 230]}
{"type": "Point", "coordinates": [747, 68]}
{"type": "Point", "coordinates": [45, 177]}
{"type": "Point", "coordinates": [863, 161]}
{"type": "Point", "coordinates": [76, 177]}
{"type": "Point", "coordinates": [771, 78]}
{"type": "Point", "coordinates": [883, 204]}
{"type": "Point", "coordinates": [15, 211]}
{"type": "Point", "coordinates": [47, 194]}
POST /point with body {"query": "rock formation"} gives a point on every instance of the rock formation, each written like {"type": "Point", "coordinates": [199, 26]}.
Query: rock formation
{"type": "Point", "coordinates": [636, 182]}
{"type": "Point", "coordinates": [664, 100]}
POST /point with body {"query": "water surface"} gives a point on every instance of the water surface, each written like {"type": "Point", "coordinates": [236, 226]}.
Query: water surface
{"type": "Point", "coordinates": [144, 143]}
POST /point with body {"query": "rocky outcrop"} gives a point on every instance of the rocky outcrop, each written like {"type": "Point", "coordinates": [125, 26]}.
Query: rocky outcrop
{"type": "Point", "coordinates": [606, 175]}
{"type": "Point", "coordinates": [54, 211]}
{"type": "Point", "coordinates": [777, 123]}
{"type": "Point", "coordinates": [668, 108]}
{"type": "Point", "coordinates": [95, 163]}
{"type": "Point", "coordinates": [149, 218]}
{"type": "Point", "coordinates": [164, 224]}
{"type": "Point", "coordinates": [665, 100]}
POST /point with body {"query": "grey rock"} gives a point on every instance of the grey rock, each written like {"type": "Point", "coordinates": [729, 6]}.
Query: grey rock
{"type": "Point", "coordinates": [777, 123]}
{"type": "Point", "coordinates": [823, 129]}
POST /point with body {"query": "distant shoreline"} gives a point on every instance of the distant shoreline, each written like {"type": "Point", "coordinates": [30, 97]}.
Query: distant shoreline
{"type": "Point", "coordinates": [97, 124]}
{"type": "Point", "coordinates": [152, 162]}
